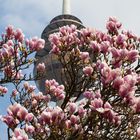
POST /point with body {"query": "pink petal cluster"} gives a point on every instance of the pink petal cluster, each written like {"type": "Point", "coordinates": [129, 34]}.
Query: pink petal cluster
{"type": "Point", "coordinates": [41, 68]}
{"type": "Point", "coordinates": [94, 45]}
{"type": "Point", "coordinates": [19, 134]}
{"type": "Point", "coordinates": [88, 70]}
{"type": "Point", "coordinates": [127, 88]}
{"type": "Point", "coordinates": [29, 88]}
{"type": "Point", "coordinates": [84, 56]}
{"type": "Point", "coordinates": [29, 129]}
{"type": "Point", "coordinates": [113, 25]}
{"type": "Point", "coordinates": [67, 36]}
{"type": "Point", "coordinates": [88, 94]}
{"type": "Point", "coordinates": [14, 34]}
{"type": "Point", "coordinates": [105, 109]}
{"type": "Point", "coordinates": [3, 90]}
{"type": "Point", "coordinates": [138, 132]}
{"type": "Point", "coordinates": [104, 47]}
{"type": "Point", "coordinates": [16, 113]}
{"type": "Point", "coordinates": [36, 44]}
{"type": "Point", "coordinates": [72, 107]}
{"type": "Point", "coordinates": [50, 116]}
{"type": "Point", "coordinates": [19, 35]}
{"type": "Point", "coordinates": [54, 89]}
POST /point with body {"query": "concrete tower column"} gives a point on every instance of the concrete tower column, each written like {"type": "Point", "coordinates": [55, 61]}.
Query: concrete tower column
{"type": "Point", "coordinates": [66, 7]}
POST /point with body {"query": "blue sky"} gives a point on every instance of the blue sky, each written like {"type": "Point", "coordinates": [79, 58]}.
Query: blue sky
{"type": "Point", "coordinates": [32, 16]}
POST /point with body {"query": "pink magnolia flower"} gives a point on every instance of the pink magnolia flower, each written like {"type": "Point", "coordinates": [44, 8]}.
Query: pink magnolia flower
{"type": "Point", "coordinates": [68, 124]}
{"type": "Point", "coordinates": [97, 104]}
{"type": "Point", "coordinates": [10, 31]}
{"type": "Point", "coordinates": [10, 121]}
{"type": "Point", "coordinates": [60, 96]}
{"type": "Point", "coordinates": [97, 94]}
{"type": "Point", "coordinates": [27, 42]}
{"type": "Point", "coordinates": [22, 113]}
{"type": "Point", "coordinates": [5, 52]}
{"type": "Point", "coordinates": [118, 82]}
{"type": "Point", "coordinates": [54, 89]}
{"type": "Point", "coordinates": [88, 94]}
{"type": "Point", "coordinates": [36, 44]}
{"type": "Point", "coordinates": [130, 79]}
{"type": "Point", "coordinates": [3, 90]}
{"type": "Point", "coordinates": [133, 55]}
{"type": "Point", "coordinates": [26, 85]}
{"type": "Point", "coordinates": [41, 67]}
{"type": "Point", "coordinates": [10, 43]}
{"type": "Point", "coordinates": [113, 25]}
{"type": "Point", "coordinates": [124, 90]}
{"type": "Point", "coordinates": [136, 106]}
{"type": "Point", "coordinates": [55, 39]}
{"type": "Point", "coordinates": [121, 38]}
{"type": "Point", "coordinates": [123, 53]}
{"type": "Point", "coordinates": [81, 111]}
{"type": "Point", "coordinates": [39, 44]}
{"type": "Point", "coordinates": [14, 92]}
{"type": "Point", "coordinates": [55, 50]}
{"type": "Point", "coordinates": [107, 105]}
{"type": "Point", "coordinates": [74, 119]}
{"type": "Point", "coordinates": [29, 117]}
{"type": "Point", "coordinates": [13, 109]}
{"type": "Point", "coordinates": [115, 52]}
{"type": "Point", "coordinates": [19, 35]}
{"type": "Point", "coordinates": [106, 74]}
{"type": "Point", "coordinates": [88, 70]}
{"type": "Point", "coordinates": [138, 132]}
{"type": "Point", "coordinates": [104, 46]}
{"type": "Point", "coordinates": [110, 115]}
{"type": "Point", "coordinates": [57, 115]}
{"type": "Point", "coordinates": [31, 88]}
{"type": "Point", "coordinates": [72, 107]}
{"type": "Point", "coordinates": [84, 56]}
{"type": "Point", "coordinates": [95, 46]}
{"type": "Point", "coordinates": [47, 98]}
{"type": "Point", "coordinates": [19, 134]}
{"type": "Point", "coordinates": [46, 117]}
{"type": "Point", "coordinates": [8, 71]}
{"type": "Point", "coordinates": [19, 75]}
{"type": "Point", "coordinates": [29, 128]}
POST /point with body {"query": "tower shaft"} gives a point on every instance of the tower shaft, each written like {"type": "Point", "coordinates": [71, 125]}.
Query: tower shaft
{"type": "Point", "coordinates": [66, 7]}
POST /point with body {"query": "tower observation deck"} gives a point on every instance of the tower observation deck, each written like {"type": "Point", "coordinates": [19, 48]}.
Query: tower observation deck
{"type": "Point", "coordinates": [52, 65]}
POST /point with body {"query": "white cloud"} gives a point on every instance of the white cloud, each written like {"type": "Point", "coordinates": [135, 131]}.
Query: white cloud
{"type": "Point", "coordinates": [33, 15]}
{"type": "Point", "coordinates": [30, 15]}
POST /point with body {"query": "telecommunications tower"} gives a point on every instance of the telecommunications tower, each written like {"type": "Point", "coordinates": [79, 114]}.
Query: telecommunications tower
{"type": "Point", "coordinates": [53, 67]}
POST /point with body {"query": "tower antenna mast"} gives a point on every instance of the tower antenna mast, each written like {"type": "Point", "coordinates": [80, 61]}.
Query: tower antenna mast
{"type": "Point", "coordinates": [66, 7]}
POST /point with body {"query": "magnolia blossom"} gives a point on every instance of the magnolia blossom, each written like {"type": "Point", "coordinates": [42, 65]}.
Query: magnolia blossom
{"type": "Point", "coordinates": [54, 89]}
{"type": "Point", "coordinates": [19, 35]}
{"type": "Point", "coordinates": [19, 134]}
{"type": "Point", "coordinates": [72, 107]}
{"type": "Point", "coordinates": [29, 128]}
{"type": "Point", "coordinates": [74, 119]}
{"type": "Point", "coordinates": [95, 46]}
{"type": "Point", "coordinates": [10, 31]}
{"type": "Point", "coordinates": [138, 132]}
{"type": "Point", "coordinates": [97, 104]}
{"type": "Point", "coordinates": [84, 56]}
{"type": "Point", "coordinates": [113, 24]}
{"type": "Point", "coordinates": [88, 70]}
{"type": "Point", "coordinates": [41, 67]}
{"type": "Point", "coordinates": [121, 39]}
{"type": "Point", "coordinates": [3, 90]}
{"type": "Point", "coordinates": [36, 44]}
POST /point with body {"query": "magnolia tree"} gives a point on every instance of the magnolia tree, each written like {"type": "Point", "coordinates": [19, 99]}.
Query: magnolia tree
{"type": "Point", "coordinates": [99, 98]}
